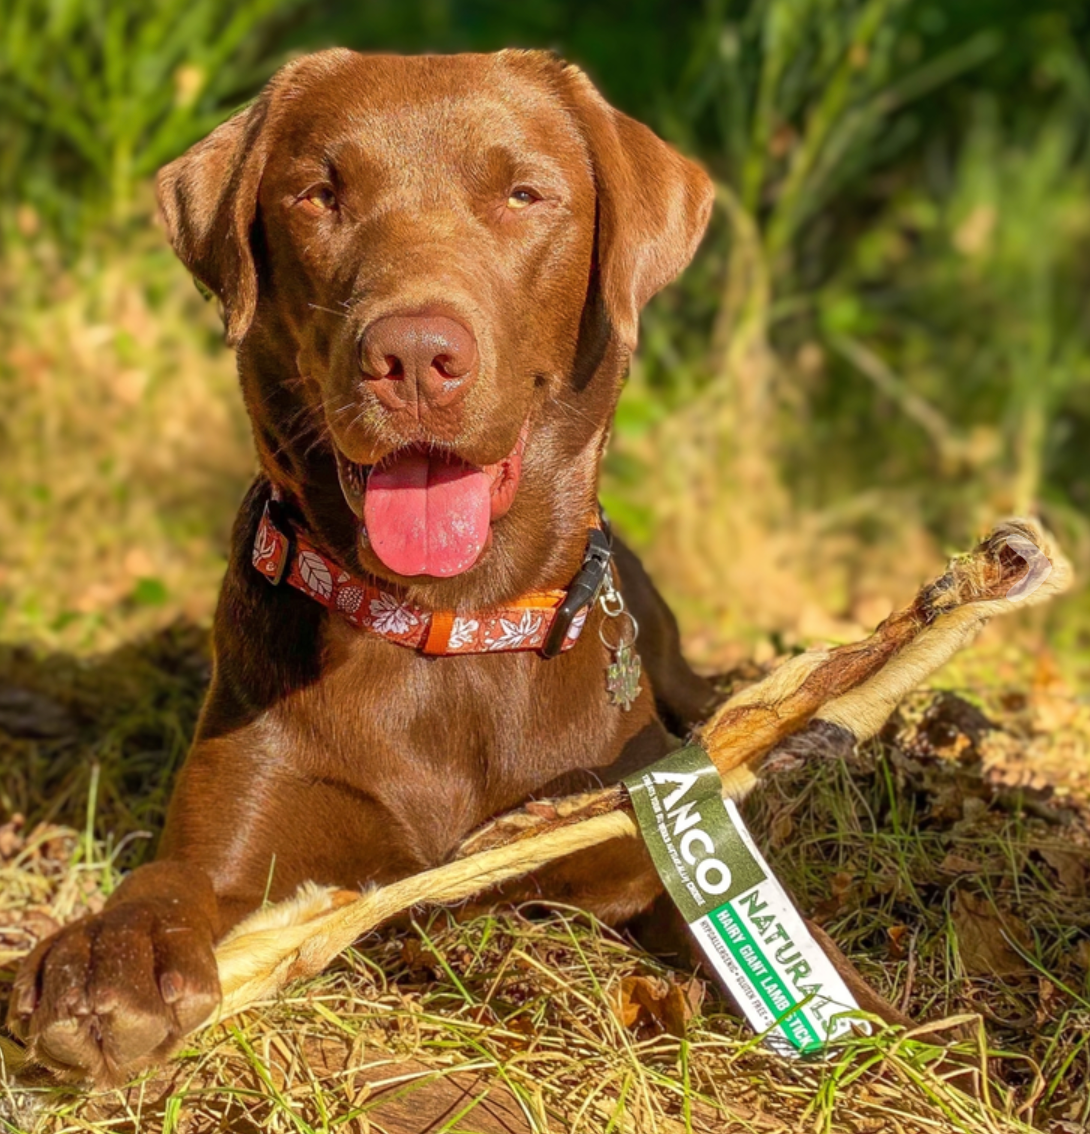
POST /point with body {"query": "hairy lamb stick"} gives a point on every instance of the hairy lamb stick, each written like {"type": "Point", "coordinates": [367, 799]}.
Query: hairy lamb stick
{"type": "Point", "coordinates": [849, 691]}
{"type": "Point", "coordinates": [846, 693]}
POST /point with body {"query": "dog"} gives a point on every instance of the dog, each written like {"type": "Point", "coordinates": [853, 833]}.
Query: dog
{"type": "Point", "coordinates": [432, 271]}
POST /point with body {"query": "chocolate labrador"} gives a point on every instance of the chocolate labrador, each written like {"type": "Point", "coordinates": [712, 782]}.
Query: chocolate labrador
{"type": "Point", "coordinates": [432, 270]}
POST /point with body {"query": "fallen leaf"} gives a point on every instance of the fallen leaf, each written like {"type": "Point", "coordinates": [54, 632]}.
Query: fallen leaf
{"type": "Point", "coordinates": [683, 1002]}
{"type": "Point", "coordinates": [646, 1003]}
{"type": "Point", "coordinates": [1082, 953]}
{"type": "Point", "coordinates": [1046, 993]}
{"type": "Point", "coordinates": [635, 997]}
{"type": "Point", "coordinates": [984, 937]}
{"type": "Point", "coordinates": [523, 1029]}
{"type": "Point", "coordinates": [1070, 866]}
{"type": "Point", "coordinates": [484, 1014]}
{"type": "Point", "coordinates": [955, 864]}
{"type": "Point", "coordinates": [781, 828]}
{"type": "Point", "coordinates": [952, 728]}
{"type": "Point", "coordinates": [49, 841]}
{"type": "Point", "coordinates": [898, 946]}
{"type": "Point", "coordinates": [11, 837]}
{"type": "Point", "coordinates": [841, 887]}
{"type": "Point", "coordinates": [419, 959]}
{"type": "Point", "coordinates": [1054, 704]}
{"type": "Point", "coordinates": [947, 803]}
{"type": "Point", "coordinates": [1014, 701]}
{"type": "Point", "coordinates": [39, 923]}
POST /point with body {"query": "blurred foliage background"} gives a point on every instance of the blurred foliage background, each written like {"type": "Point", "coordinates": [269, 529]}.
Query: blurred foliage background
{"type": "Point", "coordinates": [884, 343]}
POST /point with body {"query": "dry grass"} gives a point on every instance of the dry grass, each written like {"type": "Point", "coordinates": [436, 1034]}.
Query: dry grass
{"type": "Point", "coordinates": [930, 836]}
{"type": "Point", "coordinates": [748, 572]}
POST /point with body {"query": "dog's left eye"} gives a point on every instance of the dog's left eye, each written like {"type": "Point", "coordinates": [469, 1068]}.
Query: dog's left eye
{"type": "Point", "coordinates": [320, 198]}
{"type": "Point", "coordinates": [520, 198]}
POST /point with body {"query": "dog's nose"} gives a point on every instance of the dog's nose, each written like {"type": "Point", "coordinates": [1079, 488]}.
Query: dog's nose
{"type": "Point", "coordinates": [429, 361]}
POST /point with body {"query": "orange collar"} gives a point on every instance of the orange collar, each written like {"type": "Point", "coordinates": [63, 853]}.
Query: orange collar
{"type": "Point", "coordinates": [283, 555]}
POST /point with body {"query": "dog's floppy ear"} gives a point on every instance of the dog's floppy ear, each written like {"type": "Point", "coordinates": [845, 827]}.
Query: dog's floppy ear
{"type": "Point", "coordinates": [653, 204]}
{"type": "Point", "coordinates": [208, 200]}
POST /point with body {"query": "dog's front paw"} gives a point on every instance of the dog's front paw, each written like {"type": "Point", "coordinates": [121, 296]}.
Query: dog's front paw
{"type": "Point", "coordinates": [112, 993]}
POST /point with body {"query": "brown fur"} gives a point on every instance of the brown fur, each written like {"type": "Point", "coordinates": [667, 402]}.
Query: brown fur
{"type": "Point", "coordinates": [328, 754]}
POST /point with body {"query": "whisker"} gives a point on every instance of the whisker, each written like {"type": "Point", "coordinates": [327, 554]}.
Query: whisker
{"type": "Point", "coordinates": [303, 422]}
{"type": "Point", "coordinates": [574, 410]}
{"type": "Point", "coordinates": [323, 434]}
{"type": "Point", "coordinates": [328, 310]}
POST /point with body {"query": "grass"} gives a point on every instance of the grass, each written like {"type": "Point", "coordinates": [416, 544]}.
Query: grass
{"type": "Point", "coordinates": [126, 446]}
{"type": "Point", "coordinates": [959, 888]}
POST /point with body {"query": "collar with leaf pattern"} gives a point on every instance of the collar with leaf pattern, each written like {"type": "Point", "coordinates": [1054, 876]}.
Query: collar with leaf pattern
{"type": "Point", "coordinates": [547, 621]}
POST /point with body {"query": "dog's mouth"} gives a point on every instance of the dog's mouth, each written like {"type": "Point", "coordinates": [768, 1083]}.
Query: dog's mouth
{"type": "Point", "coordinates": [427, 512]}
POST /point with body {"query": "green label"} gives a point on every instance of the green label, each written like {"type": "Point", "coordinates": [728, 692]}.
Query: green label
{"type": "Point", "coordinates": [695, 848]}
{"type": "Point", "coordinates": [739, 913]}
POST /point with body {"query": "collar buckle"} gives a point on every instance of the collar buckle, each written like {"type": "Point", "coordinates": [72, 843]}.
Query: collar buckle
{"type": "Point", "coordinates": [583, 591]}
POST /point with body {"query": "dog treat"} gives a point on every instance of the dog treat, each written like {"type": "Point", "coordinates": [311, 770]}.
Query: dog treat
{"type": "Point", "coordinates": [844, 693]}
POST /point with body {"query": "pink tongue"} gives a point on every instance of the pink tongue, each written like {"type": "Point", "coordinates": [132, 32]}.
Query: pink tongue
{"type": "Point", "coordinates": [427, 516]}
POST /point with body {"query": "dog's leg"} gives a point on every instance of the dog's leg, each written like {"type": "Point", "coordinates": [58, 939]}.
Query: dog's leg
{"type": "Point", "coordinates": [114, 992]}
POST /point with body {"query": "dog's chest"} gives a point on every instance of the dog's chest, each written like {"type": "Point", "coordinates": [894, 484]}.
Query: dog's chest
{"type": "Point", "coordinates": [443, 744]}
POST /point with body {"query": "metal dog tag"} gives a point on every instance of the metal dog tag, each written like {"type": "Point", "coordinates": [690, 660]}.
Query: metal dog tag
{"type": "Point", "coordinates": [623, 676]}
{"type": "Point", "coordinates": [623, 672]}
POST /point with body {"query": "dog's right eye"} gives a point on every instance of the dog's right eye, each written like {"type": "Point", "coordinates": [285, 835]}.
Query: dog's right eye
{"type": "Point", "coordinates": [521, 198]}
{"type": "Point", "coordinates": [320, 198]}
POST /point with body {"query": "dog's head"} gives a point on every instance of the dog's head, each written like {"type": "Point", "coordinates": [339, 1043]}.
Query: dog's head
{"type": "Point", "coordinates": [433, 270]}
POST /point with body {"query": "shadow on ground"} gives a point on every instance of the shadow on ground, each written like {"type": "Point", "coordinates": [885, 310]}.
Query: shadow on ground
{"type": "Point", "coordinates": [100, 736]}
